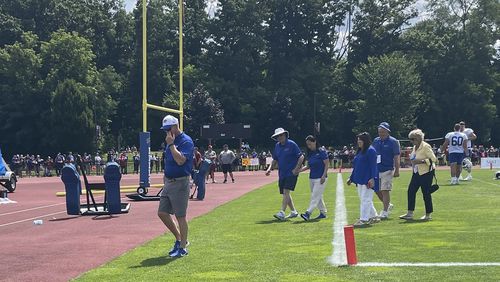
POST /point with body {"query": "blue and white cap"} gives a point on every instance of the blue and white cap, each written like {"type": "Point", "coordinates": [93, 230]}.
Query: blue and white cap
{"type": "Point", "coordinates": [168, 121]}
{"type": "Point", "coordinates": [385, 126]}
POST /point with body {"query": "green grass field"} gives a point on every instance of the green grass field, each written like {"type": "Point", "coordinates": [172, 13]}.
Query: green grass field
{"type": "Point", "coordinates": [240, 241]}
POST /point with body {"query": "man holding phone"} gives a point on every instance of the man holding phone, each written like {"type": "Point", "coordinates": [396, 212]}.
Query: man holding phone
{"type": "Point", "coordinates": [174, 197]}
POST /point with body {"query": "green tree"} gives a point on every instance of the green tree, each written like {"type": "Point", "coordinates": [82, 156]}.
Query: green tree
{"type": "Point", "coordinates": [72, 124]}
{"type": "Point", "coordinates": [201, 108]}
{"type": "Point", "coordinates": [453, 50]}
{"type": "Point", "coordinates": [388, 88]}
{"type": "Point", "coordinates": [22, 104]}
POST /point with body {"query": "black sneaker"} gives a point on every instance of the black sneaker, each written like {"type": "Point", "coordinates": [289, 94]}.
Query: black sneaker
{"type": "Point", "coordinates": [232, 180]}
{"type": "Point", "coordinates": [225, 181]}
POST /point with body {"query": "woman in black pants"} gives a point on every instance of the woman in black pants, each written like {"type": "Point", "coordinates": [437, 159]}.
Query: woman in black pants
{"type": "Point", "coordinates": [422, 160]}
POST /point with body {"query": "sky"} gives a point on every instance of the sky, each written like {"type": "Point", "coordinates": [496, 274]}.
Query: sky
{"type": "Point", "coordinates": [129, 5]}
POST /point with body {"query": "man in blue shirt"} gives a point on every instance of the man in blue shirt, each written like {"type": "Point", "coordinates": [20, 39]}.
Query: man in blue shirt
{"type": "Point", "coordinates": [174, 197]}
{"type": "Point", "coordinates": [388, 161]}
{"type": "Point", "coordinates": [289, 159]}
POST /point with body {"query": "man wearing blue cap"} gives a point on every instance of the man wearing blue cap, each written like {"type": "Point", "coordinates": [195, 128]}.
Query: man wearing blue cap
{"type": "Point", "coordinates": [174, 197]}
{"type": "Point", "coordinates": [388, 161]}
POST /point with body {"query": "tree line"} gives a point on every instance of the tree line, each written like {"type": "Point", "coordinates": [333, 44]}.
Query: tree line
{"type": "Point", "coordinates": [70, 70]}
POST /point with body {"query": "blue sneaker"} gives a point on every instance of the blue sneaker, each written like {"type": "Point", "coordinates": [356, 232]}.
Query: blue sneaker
{"type": "Point", "coordinates": [179, 253]}
{"type": "Point", "coordinates": [176, 247]}
{"type": "Point", "coordinates": [321, 216]}
{"type": "Point", "coordinates": [305, 216]}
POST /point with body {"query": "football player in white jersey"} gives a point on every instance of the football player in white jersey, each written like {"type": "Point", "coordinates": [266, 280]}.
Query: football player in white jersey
{"type": "Point", "coordinates": [456, 142]}
{"type": "Point", "coordinates": [471, 136]}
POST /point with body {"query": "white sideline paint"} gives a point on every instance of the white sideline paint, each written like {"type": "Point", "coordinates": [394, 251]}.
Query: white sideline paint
{"type": "Point", "coordinates": [425, 264]}
{"type": "Point", "coordinates": [31, 209]}
{"type": "Point", "coordinates": [339, 256]}
{"type": "Point", "coordinates": [30, 219]}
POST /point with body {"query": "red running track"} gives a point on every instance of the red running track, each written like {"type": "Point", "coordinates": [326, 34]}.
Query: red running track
{"type": "Point", "coordinates": [65, 246]}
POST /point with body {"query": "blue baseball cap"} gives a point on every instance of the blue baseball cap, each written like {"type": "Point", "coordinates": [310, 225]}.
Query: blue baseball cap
{"type": "Point", "coordinates": [385, 126]}
{"type": "Point", "coordinates": [168, 122]}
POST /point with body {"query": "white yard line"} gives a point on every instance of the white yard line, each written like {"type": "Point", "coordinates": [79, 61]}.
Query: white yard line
{"type": "Point", "coordinates": [425, 264]}
{"type": "Point", "coordinates": [339, 256]}
{"type": "Point", "coordinates": [486, 182]}
{"type": "Point", "coordinates": [31, 209]}
{"type": "Point", "coordinates": [29, 219]}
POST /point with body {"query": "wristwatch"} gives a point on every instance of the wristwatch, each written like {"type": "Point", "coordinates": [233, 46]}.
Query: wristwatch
{"type": "Point", "coordinates": [170, 145]}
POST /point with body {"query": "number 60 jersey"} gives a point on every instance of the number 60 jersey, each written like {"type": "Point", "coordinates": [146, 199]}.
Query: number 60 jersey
{"type": "Point", "coordinates": [456, 141]}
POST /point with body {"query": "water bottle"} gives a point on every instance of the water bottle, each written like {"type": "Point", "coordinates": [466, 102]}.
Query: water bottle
{"type": "Point", "coordinates": [38, 222]}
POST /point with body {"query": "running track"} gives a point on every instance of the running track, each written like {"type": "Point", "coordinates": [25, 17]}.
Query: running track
{"type": "Point", "coordinates": [66, 246]}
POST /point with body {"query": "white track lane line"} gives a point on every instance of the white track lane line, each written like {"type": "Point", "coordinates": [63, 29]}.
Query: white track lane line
{"type": "Point", "coordinates": [32, 209]}
{"type": "Point", "coordinates": [426, 264]}
{"type": "Point", "coordinates": [29, 219]}
{"type": "Point", "coordinates": [45, 215]}
{"type": "Point", "coordinates": [339, 256]}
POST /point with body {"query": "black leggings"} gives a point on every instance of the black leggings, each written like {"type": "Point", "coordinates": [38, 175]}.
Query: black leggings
{"type": "Point", "coordinates": [423, 181]}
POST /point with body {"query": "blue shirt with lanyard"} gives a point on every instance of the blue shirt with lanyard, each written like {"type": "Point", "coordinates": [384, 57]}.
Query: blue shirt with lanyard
{"type": "Point", "coordinates": [315, 160]}
{"type": "Point", "coordinates": [387, 149]}
{"type": "Point", "coordinates": [185, 146]}
{"type": "Point", "coordinates": [287, 156]}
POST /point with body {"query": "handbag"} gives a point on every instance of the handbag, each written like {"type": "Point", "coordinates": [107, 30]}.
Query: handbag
{"type": "Point", "coordinates": [435, 186]}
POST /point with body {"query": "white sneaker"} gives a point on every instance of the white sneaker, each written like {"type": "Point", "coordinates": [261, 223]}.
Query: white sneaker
{"type": "Point", "coordinates": [389, 210]}
{"type": "Point", "coordinates": [280, 215]}
{"type": "Point", "coordinates": [293, 214]}
{"type": "Point", "coordinates": [461, 178]}
{"type": "Point", "coordinates": [468, 178]}
{"type": "Point", "coordinates": [384, 215]}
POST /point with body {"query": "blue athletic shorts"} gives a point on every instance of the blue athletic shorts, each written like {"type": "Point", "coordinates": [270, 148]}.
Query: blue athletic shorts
{"type": "Point", "coordinates": [287, 183]}
{"type": "Point", "coordinates": [456, 158]}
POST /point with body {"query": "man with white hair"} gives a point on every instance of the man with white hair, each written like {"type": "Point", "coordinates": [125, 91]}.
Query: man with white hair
{"type": "Point", "coordinates": [179, 150]}
{"type": "Point", "coordinates": [289, 158]}
{"type": "Point", "coordinates": [471, 136]}
{"type": "Point", "coordinates": [388, 162]}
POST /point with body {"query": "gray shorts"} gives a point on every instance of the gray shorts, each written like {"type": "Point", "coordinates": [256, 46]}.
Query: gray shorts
{"type": "Point", "coordinates": [174, 197]}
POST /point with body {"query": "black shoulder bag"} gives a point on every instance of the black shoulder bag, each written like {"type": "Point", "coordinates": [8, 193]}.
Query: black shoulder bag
{"type": "Point", "coordinates": [435, 186]}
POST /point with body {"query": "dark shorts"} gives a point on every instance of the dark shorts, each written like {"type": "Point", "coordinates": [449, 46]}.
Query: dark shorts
{"type": "Point", "coordinates": [456, 158]}
{"type": "Point", "coordinates": [227, 168]}
{"type": "Point", "coordinates": [287, 183]}
{"type": "Point", "coordinates": [213, 166]}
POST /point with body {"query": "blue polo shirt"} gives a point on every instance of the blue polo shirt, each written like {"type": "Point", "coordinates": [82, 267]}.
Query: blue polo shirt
{"type": "Point", "coordinates": [185, 146]}
{"type": "Point", "coordinates": [287, 156]}
{"type": "Point", "coordinates": [387, 149]}
{"type": "Point", "coordinates": [365, 167]}
{"type": "Point", "coordinates": [315, 160]}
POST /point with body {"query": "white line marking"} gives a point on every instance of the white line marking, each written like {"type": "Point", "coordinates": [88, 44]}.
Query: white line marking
{"type": "Point", "coordinates": [31, 209]}
{"type": "Point", "coordinates": [486, 182]}
{"type": "Point", "coordinates": [339, 256]}
{"type": "Point", "coordinates": [426, 264]}
{"type": "Point", "coordinates": [29, 219]}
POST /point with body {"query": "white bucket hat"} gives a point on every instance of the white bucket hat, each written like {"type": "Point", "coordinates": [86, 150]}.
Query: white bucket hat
{"type": "Point", "coordinates": [279, 131]}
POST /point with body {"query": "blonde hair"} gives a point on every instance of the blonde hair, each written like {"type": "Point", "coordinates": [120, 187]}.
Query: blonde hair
{"type": "Point", "coordinates": [417, 133]}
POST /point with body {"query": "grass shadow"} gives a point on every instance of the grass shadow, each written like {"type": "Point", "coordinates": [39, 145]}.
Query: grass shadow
{"type": "Point", "coordinates": [152, 262]}
{"type": "Point", "coordinates": [414, 221]}
{"type": "Point", "coordinates": [309, 221]}
{"type": "Point", "coordinates": [271, 221]}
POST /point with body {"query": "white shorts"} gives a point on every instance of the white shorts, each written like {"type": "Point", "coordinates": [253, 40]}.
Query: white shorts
{"type": "Point", "coordinates": [386, 180]}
